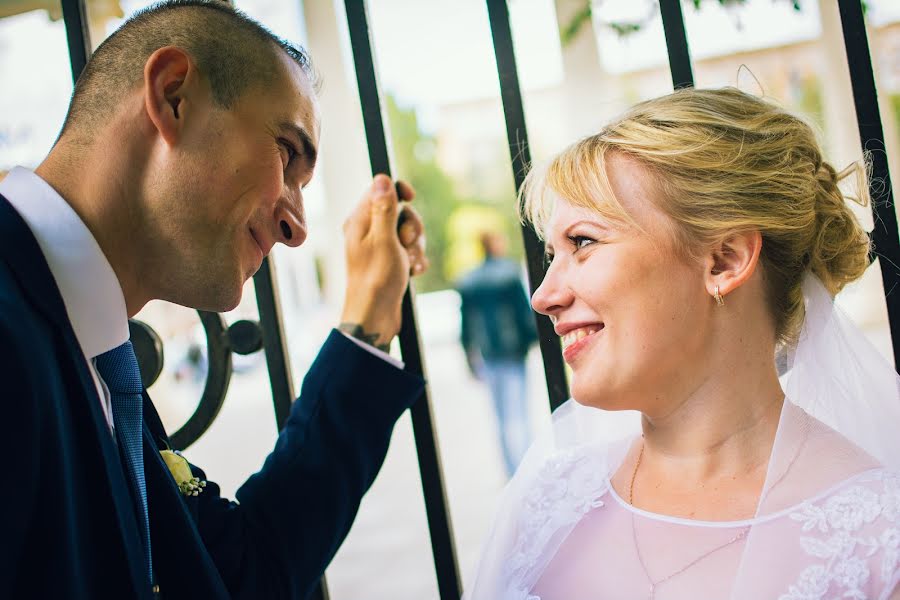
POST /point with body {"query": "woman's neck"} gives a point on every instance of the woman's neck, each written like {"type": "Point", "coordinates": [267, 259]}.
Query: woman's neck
{"type": "Point", "coordinates": [705, 453]}
{"type": "Point", "coordinates": [716, 432]}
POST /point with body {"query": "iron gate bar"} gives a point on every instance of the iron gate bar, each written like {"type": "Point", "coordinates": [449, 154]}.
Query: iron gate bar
{"type": "Point", "coordinates": [439, 525]}
{"type": "Point", "coordinates": [277, 361]}
{"type": "Point", "coordinates": [78, 35]}
{"type": "Point", "coordinates": [871, 135]}
{"type": "Point", "coordinates": [676, 43]}
{"type": "Point", "coordinates": [520, 154]}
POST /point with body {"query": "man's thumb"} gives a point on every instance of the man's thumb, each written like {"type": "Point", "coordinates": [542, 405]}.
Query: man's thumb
{"type": "Point", "coordinates": [385, 207]}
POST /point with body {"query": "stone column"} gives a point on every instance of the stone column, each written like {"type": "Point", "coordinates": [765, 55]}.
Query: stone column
{"type": "Point", "coordinates": [343, 168]}
{"type": "Point", "coordinates": [586, 86]}
{"type": "Point", "coordinates": [840, 112]}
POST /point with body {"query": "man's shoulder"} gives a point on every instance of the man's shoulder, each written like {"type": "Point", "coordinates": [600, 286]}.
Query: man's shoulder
{"type": "Point", "coordinates": [30, 350]}
{"type": "Point", "coordinates": [14, 303]}
{"type": "Point", "coordinates": [22, 325]}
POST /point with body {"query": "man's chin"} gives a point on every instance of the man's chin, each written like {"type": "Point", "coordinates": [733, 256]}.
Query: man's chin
{"type": "Point", "coordinates": [231, 299]}
{"type": "Point", "coordinates": [217, 299]}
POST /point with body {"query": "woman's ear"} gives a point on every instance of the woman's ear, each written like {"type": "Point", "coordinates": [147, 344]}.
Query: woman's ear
{"type": "Point", "coordinates": [732, 261]}
{"type": "Point", "coordinates": [168, 75]}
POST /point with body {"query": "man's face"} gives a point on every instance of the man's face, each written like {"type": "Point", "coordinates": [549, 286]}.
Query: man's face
{"type": "Point", "coordinates": [234, 190]}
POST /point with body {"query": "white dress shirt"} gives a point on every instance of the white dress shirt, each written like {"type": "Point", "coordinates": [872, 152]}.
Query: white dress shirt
{"type": "Point", "coordinates": [87, 283]}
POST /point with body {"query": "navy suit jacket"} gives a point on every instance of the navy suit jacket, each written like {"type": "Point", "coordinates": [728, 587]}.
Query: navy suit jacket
{"type": "Point", "coordinates": [67, 523]}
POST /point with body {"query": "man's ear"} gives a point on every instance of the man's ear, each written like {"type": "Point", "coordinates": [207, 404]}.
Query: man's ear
{"type": "Point", "coordinates": [169, 74]}
{"type": "Point", "coordinates": [732, 261]}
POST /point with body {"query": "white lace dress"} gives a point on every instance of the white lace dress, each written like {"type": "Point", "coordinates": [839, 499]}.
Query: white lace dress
{"type": "Point", "coordinates": [573, 538]}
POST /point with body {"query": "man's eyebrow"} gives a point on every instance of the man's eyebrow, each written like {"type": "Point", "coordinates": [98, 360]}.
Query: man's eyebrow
{"type": "Point", "coordinates": [309, 149]}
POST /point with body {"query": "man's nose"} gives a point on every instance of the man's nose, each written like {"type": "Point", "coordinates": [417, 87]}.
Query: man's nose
{"type": "Point", "coordinates": [290, 226]}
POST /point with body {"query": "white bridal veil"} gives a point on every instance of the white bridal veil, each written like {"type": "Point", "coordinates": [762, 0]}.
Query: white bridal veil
{"type": "Point", "coordinates": [827, 523]}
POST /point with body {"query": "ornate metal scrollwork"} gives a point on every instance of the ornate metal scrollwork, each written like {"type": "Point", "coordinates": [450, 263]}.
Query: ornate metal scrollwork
{"type": "Point", "coordinates": [149, 350]}
{"type": "Point", "coordinates": [242, 337]}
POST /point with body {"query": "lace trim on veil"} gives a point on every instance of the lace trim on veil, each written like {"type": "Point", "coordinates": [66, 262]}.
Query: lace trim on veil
{"type": "Point", "coordinates": [565, 489]}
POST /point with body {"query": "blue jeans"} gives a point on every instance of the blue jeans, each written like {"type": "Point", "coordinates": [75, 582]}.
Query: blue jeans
{"type": "Point", "coordinates": [506, 379]}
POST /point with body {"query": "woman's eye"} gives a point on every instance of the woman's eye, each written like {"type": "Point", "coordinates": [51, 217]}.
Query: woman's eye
{"type": "Point", "coordinates": [579, 241]}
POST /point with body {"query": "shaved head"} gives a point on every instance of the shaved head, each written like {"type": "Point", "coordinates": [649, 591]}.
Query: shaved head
{"type": "Point", "coordinates": [232, 52]}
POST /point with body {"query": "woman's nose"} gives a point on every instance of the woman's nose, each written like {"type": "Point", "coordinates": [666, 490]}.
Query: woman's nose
{"type": "Point", "coordinates": [553, 294]}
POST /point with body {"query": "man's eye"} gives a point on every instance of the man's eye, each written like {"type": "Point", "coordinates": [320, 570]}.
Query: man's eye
{"type": "Point", "coordinates": [290, 150]}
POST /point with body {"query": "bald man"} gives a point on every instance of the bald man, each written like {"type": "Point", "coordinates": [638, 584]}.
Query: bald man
{"type": "Point", "coordinates": [189, 139]}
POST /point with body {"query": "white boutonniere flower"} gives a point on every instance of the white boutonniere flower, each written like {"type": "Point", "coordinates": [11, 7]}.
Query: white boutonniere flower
{"type": "Point", "coordinates": [181, 472]}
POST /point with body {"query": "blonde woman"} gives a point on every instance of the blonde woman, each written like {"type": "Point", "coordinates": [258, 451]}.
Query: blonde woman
{"type": "Point", "coordinates": [730, 434]}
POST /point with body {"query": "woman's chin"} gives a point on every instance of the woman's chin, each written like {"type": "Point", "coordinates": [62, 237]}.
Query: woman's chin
{"type": "Point", "coordinates": [603, 401]}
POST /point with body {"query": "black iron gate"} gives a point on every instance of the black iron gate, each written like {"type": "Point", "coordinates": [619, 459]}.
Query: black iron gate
{"type": "Point", "coordinates": [245, 337]}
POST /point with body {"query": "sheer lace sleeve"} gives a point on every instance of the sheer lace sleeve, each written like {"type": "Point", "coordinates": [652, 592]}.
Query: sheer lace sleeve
{"type": "Point", "coordinates": [567, 487]}
{"type": "Point", "coordinates": [850, 541]}
{"type": "Point", "coordinates": [531, 528]}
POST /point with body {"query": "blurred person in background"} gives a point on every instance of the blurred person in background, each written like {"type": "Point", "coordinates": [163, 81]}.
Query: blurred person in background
{"type": "Point", "coordinates": [497, 331]}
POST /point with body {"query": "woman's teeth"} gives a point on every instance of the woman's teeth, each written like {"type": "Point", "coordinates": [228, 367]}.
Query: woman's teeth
{"type": "Point", "coordinates": [579, 334]}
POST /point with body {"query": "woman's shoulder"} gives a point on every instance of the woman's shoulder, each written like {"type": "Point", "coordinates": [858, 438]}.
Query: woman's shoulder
{"type": "Point", "coordinates": [870, 498]}
{"type": "Point", "coordinates": [850, 537]}
{"type": "Point", "coordinates": [553, 497]}
{"type": "Point", "coordinates": [567, 483]}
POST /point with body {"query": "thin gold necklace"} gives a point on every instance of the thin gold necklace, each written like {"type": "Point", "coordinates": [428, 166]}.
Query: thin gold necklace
{"type": "Point", "coordinates": [654, 584]}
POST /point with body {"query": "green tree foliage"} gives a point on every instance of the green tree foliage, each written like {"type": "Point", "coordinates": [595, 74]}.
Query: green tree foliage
{"type": "Point", "coordinates": [453, 221]}
{"type": "Point", "coordinates": [414, 161]}
{"type": "Point", "coordinates": [582, 17]}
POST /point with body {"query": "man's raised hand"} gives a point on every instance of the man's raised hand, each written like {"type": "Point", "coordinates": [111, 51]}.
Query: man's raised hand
{"type": "Point", "coordinates": [380, 258]}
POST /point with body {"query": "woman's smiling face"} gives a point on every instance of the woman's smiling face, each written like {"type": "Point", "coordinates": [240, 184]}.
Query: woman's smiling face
{"type": "Point", "coordinates": [632, 311]}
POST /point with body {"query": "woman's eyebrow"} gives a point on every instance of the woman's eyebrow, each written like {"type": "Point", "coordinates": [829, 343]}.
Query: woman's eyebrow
{"type": "Point", "coordinates": [595, 224]}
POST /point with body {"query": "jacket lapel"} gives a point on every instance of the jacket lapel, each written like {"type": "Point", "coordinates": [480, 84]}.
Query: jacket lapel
{"type": "Point", "coordinates": [179, 553]}
{"type": "Point", "coordinates": [20, 250]}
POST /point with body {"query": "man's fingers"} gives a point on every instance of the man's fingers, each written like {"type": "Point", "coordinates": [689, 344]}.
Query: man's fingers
{"type": "Point", "coordinates": [405, 191]}
{"type": "Point", "coordinates": [412, 227]}
{"type": "Point", "coordinates": [412, 236]}
{"type": "Point", "coordinates": [418, 262]}
{"type": "Point", "coordinates": [419, 267]}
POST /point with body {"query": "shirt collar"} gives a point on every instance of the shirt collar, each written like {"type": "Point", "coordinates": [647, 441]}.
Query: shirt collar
{"type": "Point", "coordinates": [89, 287]}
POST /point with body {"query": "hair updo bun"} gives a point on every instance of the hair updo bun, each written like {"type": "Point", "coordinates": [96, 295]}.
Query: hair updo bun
{"type": "Point", "coordinates": [840, 250]}
{"type": "Point", "coordinates": [725, 162]}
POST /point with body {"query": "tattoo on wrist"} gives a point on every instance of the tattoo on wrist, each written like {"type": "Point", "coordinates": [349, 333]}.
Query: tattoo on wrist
{"type": "Point", "coordinates": [356, 330]}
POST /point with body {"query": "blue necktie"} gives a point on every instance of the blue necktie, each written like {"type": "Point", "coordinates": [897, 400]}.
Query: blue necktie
{"type": "Point", "coordinates": [119, 370]}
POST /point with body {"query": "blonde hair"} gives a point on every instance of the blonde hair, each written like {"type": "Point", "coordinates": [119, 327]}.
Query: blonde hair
{"type": "Point", "coordinates": [724, 162]}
